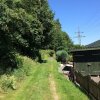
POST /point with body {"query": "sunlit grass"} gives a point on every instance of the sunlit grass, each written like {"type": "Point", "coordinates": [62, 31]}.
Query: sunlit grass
{"type": "Point", "coordinates": [37, 85]}
{"type": "Point", "coordinates": [65, 88]}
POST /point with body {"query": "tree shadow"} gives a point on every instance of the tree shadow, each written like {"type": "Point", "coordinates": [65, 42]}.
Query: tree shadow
{"type": "Point", "coordinates": [43, 61]}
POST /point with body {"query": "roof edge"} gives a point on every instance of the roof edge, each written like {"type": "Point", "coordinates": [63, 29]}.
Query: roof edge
{"type": "Point", "coordinates": [85, 49]}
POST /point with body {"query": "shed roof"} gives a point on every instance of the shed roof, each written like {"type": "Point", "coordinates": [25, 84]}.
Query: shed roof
{"type": "Point", "coordinates": [85, 49]}
{"type": "Point", "coordinates": [95, 46]}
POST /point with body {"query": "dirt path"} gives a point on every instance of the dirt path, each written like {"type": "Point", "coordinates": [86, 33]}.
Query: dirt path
{"type": "Point", "coordinates": [53, 88]}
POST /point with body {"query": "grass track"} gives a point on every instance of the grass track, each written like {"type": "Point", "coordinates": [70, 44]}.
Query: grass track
{"type": "Point", "coordinates": [37, 86]}
{"type": "Point", "coordinates": [65, 89]}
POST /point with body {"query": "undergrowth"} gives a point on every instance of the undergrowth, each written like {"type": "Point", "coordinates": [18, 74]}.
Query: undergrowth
{"type": "Point", "coordinates": [9, 81]}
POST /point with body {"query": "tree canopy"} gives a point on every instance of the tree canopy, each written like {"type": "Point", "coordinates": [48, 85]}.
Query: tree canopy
{"type": "Point", "coordinates": [26, 26]}
{"type": "Point", "coordinates": [60, 40]}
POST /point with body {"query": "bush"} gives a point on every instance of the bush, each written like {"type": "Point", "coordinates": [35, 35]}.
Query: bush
{"type": "Point", "coordinates": [61, 56]}
{"type": "Point", "coordinates": [19, 73]}
{"type": "Point", "coordinates": [19, 61]}
{"type": "Point", "coordinates": [46, 53]}
{"type": "Point", "coordinates": [24, 68]}
{"type": "Point", "coordinates": [7, 62]}
{"type": "Point", "coordinates": [7, 82]}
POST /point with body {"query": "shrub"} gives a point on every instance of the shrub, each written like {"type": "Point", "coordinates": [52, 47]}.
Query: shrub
{"type": "Point", "coordinates": [61, 55]}
{"type": "Point", "coordinates": [46, 53]}
{"type": "Point", "coordinates": [8, 82]}
{"type": "Point", "coordinates": [7, 62]}
{"type": "Point", "coordinates": [19, 73]}
{"type": "Point", "coordinates": [24, 69]}
{"type": "Point", "coordinates": [19, 61]}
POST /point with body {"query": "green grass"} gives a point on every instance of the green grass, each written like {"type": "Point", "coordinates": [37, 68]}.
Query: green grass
{"type": "Point", "coordinates": [34, 87]}
{"type": "Point", "coordinates": [65, 88]}
{"type": "Point", "coordinates": [37, 85]}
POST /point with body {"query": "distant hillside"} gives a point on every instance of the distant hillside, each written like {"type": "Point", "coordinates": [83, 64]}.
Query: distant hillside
{"type": "Point", "coordinates": [94, 44]}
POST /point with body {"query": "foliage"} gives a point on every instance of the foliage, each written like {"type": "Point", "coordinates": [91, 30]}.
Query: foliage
{"type": "Point", "coordinates": [27, 26]}
{"type": "Point", "coordinates": [61, 56]}
{"type": "Point", "coordinates": [70, 58]}
{"type": "Point", "coordinates": [51, 53]}
{"type": "Point", "coordinates": [8, 82]}
{"type": "Point", "coordinates": [59, 40]}
{"type": "Point", "coordinates": [46, 53]}
{"type": "Point", "coordinates": [7, 62]}
{"type": "Point", "coordinates": [78, 47]}
{"type": "Point", "coordinates": [23, 28]}
{"type": "Point", "coordinates": [24, 69]}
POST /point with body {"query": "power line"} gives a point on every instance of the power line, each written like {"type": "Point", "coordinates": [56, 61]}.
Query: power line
{"type": "Point", "coordinates": [79, 36]}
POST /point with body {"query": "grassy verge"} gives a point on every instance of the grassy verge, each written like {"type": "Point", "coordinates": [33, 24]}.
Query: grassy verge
{"type": "Point", "coordinates": [65, 88]}
{"type": "Point", "coordinates": [34, 87]}
{"type": "Point", "coordinates": [37, 85]}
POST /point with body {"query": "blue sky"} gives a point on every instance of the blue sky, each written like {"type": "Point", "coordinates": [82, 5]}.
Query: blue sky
{"type": "Point", "coordinates": [84, 14]}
